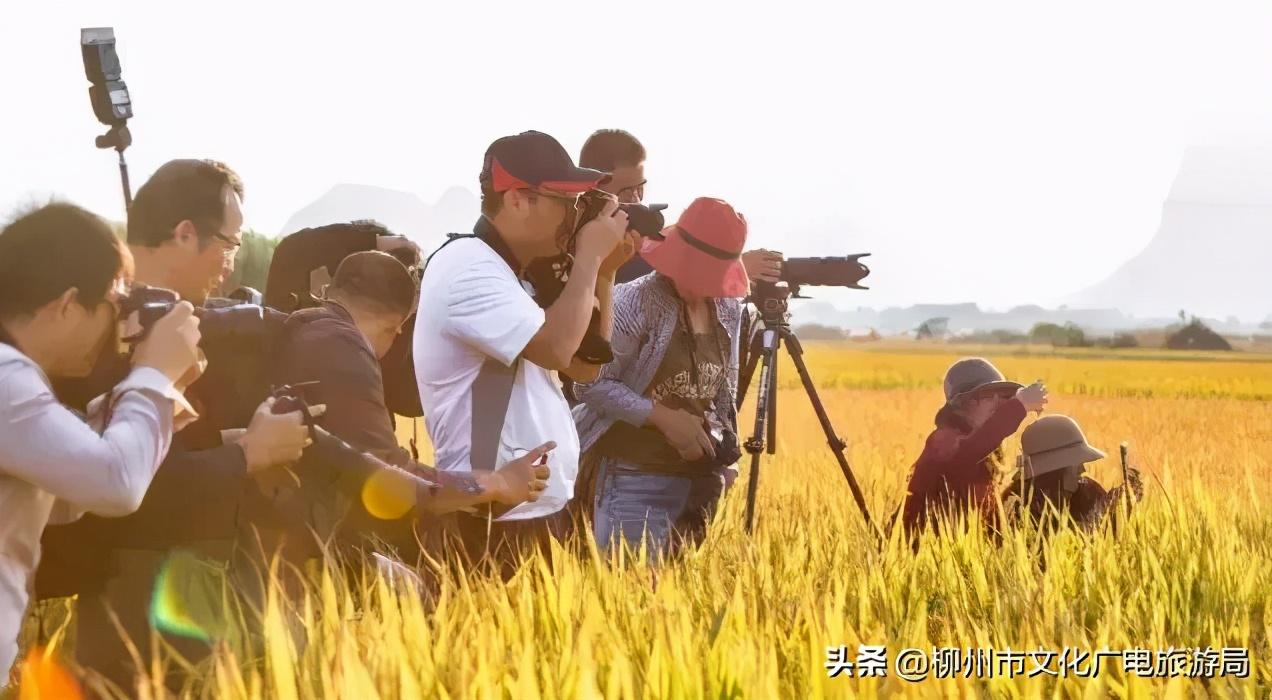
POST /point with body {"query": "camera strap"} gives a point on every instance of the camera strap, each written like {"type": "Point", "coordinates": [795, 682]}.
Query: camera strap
{"type": "Point", "coordinates": [485, 232]}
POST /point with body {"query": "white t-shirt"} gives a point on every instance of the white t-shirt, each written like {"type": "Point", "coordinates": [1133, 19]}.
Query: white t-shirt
{"type": "Point", "coordinates": [473, 322]}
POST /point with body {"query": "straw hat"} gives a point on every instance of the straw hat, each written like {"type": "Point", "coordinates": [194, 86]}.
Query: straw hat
{"type": "Point", "coordinates": [1055, 442]}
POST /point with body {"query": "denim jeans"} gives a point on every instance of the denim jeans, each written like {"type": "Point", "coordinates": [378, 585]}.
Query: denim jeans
{"type": "Point", "coordinates": [663, 509]}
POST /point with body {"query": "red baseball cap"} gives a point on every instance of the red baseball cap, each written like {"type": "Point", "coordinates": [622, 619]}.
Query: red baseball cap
{"type": "Point", "coordinates": [535, 160]}
{"type": "Point", "coordinates": [702, 252]}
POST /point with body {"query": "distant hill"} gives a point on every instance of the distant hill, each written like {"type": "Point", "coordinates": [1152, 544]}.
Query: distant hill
{"type": "Point", "coordinates": [970, 318]}
{"type": "Point", "coordinates": [402, 212]}
{"type": "Point", "coordinates": [1213, 250]}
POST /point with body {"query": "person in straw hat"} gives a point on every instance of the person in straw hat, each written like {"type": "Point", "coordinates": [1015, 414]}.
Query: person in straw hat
{"type": "Point", "coordinates": [956, 470]}
{"type": "Point", "coordinates": [1050, 483]}
{"type": "Point", "coordinates": [660, 419]}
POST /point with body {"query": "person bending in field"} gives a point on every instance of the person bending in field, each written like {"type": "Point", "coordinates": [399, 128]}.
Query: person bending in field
{"type": "Point", "coordinates": [955, 472]}
{"type": "Point", "coordinates": [1050, 486]}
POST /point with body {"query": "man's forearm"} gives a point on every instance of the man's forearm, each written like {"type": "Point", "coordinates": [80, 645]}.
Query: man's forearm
{"type": "Point", "coordinates": [567, 319]}
{"type": "Point", "coordinates": [605, 301]}
{"type": "Point", "coordinates": [581, 370]}
{"type": "Point", "coordinates": [453, 497]}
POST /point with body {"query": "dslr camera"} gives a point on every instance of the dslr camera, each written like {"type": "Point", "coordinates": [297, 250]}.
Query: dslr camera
{"type": "Point", "coordinates": [145, 305]}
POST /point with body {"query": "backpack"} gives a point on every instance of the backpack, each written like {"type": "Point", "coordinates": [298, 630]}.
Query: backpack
{"type": "Point", "coordinates": [308, 259]}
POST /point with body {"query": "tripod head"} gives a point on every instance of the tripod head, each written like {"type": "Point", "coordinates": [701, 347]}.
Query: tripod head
{"type": "Point", "coordinates": [772, 301]}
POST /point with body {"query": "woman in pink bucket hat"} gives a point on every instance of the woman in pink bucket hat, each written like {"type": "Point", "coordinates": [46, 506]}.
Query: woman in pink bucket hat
{"type": "Point", "coordinates": [702, 252]}
{"type": "Point", "coordinates": [659, 423]}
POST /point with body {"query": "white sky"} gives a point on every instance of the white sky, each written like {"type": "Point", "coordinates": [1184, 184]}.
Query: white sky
{"type": "Point", "coordinates": [999, 152]}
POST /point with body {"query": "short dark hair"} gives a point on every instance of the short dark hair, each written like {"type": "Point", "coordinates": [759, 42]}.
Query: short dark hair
{"type": "Point", "coordinates": [607, 149]}
{"type": "Point", "coordinates": [180, 190]}
{"type": "Point", "coordinates": [55, 248]}
{"type": "Point", "coordinates": [376, 279]}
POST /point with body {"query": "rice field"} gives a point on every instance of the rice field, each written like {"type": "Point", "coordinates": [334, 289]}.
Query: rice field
{"type": "Point", "coordinates": [754, 616]}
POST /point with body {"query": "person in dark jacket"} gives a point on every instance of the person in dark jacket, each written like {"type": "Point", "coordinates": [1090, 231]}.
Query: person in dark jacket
{"type": "Point", "coordinates": [955, 472]}
{"type": "Point", "coordinates": [304, 262]}
{"type": "Point", "coordinates": [337, 347]}
{"type": "Point", "coordinates": [1050, 484]}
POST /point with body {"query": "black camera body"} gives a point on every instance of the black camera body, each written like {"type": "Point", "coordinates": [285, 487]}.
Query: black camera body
{"type": "Point", "coordinates": [645, 219]}
{"type": "Point", "coordinates": [139, 311]}
{"type": "Point", "coordinates": [145, 305]}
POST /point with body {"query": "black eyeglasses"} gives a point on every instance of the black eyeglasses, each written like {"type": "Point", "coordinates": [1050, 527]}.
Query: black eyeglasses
{"type": "Point", "coordinates": [631, 195]}
{"type": "Point", "coordinates": [234, 245]}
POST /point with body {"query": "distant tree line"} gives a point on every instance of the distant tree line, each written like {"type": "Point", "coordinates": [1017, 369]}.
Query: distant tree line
{"type": "Point", "coordinates": [251, 267]}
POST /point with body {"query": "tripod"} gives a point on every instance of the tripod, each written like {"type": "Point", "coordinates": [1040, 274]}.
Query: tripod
{"type": "Point", "coordinates": [772, 303]}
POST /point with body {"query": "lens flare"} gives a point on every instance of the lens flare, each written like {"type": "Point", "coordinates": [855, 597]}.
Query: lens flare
{"type": "Point", "coordinates": [43, 678]}
{"type": "Point", "coordinates": [189, 598]}
{"type": "Point", "coordinates": [388, 495]}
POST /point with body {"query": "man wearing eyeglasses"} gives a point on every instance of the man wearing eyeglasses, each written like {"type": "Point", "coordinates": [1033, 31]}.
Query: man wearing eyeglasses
{"type": "Point", "coordinates": [486, 353]}
{"type": "Point", "coordinates": [184, 230]}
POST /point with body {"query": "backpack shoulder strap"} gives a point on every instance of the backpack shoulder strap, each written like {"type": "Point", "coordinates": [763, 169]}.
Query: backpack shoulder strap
{"type": "Point", "coordinates": [450, 238]}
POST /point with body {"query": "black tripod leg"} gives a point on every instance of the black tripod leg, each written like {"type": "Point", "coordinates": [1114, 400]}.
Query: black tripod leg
{"type": "Point", "coordinates": [767, 352]}
{"type": "Point", "coordinates": [748, 367]}
{"type": "Point", "coordinates": [772, 409]}
{"type": "Point", "coordinates": [837, 446]}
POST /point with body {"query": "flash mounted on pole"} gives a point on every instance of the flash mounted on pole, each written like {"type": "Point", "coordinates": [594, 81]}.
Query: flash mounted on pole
{"type": "Point", "coordinates": [109, 94]}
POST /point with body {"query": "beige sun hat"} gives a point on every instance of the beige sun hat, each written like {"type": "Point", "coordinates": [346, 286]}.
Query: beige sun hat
{"type": "Point", "coordinates": [1055, 442]}
{"type": "Point", "coordinates": [974, 375]}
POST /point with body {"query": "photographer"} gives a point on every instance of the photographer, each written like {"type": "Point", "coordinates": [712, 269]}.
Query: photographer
{"type": "Point", "coordinates": [485, 351]}
{"type": "Point", "coordinates": [305, 261]}
{"type": "Point", "coordinates": [661, 417]}
{"type": "Point", "coordinates": [184, 232]}
{"type": "Point", "coordinates": [338, 345]}
{"type": "Point", "coordinates": [620, 154]}
{"type": "Point", "coordinates": [62, 273]}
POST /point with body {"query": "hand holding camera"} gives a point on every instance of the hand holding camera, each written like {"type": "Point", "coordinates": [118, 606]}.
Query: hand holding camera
{"type": "Point", "coordinates": [685, 432]}
{"type": "Point", "coordinates": [172, 346]}
{"type": "Point", "coordinates": [763, 265]}
{"type": "Point", "coordinates": [600, 236]}
{"type": "Point", "coordinates": [274, 439]}
{"type": "Point", "coordinates": [523, 479]}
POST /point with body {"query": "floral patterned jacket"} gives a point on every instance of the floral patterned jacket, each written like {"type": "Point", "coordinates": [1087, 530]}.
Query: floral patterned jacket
{"type": "Point", "coordinates": [646, 312]}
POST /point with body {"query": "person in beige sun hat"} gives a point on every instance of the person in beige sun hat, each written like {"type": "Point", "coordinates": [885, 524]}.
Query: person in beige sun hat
{"type": "Point", "coordinates": [1050, 482]}
{"type": "Point", "coordinates": [955, 472]}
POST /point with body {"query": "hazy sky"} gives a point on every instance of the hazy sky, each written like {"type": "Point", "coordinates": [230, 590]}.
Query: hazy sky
{"type": "Point", "coordinates": [999, 152]}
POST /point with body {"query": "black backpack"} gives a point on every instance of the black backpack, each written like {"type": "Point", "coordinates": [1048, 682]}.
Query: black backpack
{"type": "Point", "coordinates": [301, 255]}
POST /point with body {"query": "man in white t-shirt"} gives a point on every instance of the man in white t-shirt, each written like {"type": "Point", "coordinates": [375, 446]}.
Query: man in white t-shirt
{"type": "Point", "coordinates": [486, 353]}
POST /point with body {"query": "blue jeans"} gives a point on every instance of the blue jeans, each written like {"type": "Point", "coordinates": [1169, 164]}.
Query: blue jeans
{"type": "Point", "coordinates": [665, 510]}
